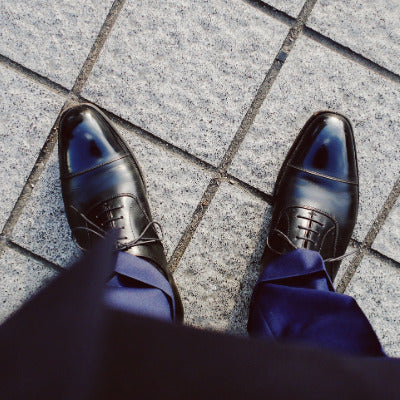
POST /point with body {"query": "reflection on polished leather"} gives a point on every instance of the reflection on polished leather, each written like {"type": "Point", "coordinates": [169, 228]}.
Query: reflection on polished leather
{"type": "Point", "coordinates": [316, 193]}
{"type": "Point", "coordinates": [90, 142]}
{"type": "Point", "coordinates": [328, 149]}
{"type": "Point", "coordinates": [103, 189]}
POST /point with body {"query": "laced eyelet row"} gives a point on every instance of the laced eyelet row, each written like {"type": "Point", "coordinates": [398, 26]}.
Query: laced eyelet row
{"type": "Point", "coordinates": [98, 230]}
{"type": "Point", "coordinates": [289, 241]}
{"type": "Point", "coordinates": [308, 229]}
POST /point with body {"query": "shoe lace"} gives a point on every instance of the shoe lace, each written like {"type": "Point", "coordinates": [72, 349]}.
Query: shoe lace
{"type": "Point", "coordinates": [100, 232]}
{"type": "Point", "coordinates": [307, 230]}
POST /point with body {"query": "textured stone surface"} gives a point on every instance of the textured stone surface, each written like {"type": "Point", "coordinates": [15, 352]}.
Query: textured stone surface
{"type": "Point", "coordinates": [387, 241]}
{"type": "Point", "coordinates": [219, 269]}
{"type": "Point", "coordinates": [376, 287]}
{"type": "Point", "coordinates": [175, 188]}
{"type": "Point", "coordinates": [393, 349]}
{"type": "Point", "coordinates": [51, 37]}
{"type": "Point", "coordinates": [312, 79]}
{"type": "Point", "coordinates": [27, 113]}
{"type": "Point", "coordinates": [186, 70]}
{"type": "Point", "coordinates": [42, 227]}
{"type": "Point", "coordinates": [20, 278]}
{"type": "Point", "coordinates": [371, 28]}
{"type": "Point", "coordinates": [291, 7]}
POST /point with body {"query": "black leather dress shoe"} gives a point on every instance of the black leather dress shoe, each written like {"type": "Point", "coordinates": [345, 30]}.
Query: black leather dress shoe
{"type": "Point", "coordinates": [316, 193]}
{"type": "Point", "coordinates": [103, 188]}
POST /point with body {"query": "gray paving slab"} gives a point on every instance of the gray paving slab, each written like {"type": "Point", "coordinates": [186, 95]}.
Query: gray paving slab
{"type": "Point", "coordinates": [387, 241]}
{"type": "Point", "coordinates": [315, 78]}
{"type": "Point", "coordinates": [20, 278]}
{"type": "Point", "coordinates": [218, 271]}
{"type": "Point", "coordinates": [51, 37]}
{"type": "Point", "coordinates": [290, 7]}
{"type": "Point", "coordinates": [175, 188]}
{"type": "Point", "coordinates": [42, 227]}
{"type": "Point", "coordinates": [27, 113]}
{"type": "Point", "coordinates": [376, 287]}
{"type": "Point", "coordinates": [186, 71]}
{"type": "Point", "coordinates": [393, 349]}
{"type": "Point", "coordinates": [370, 28]}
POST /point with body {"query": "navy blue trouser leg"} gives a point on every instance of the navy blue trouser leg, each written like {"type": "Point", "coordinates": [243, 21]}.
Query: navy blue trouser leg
{"type": "Point", "coordinates": [138, 287]}
{"type": "Point", "coordinates": [294, 300]}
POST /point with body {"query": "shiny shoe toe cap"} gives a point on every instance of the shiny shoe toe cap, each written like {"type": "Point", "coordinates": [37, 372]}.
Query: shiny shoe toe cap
{"type": "Point", "coordinates": [86, 140]}
{"type": "Point", "coordinates": [327, 147]}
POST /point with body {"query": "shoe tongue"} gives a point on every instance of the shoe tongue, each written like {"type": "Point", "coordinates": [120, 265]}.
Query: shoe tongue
{"type": "Point", "coordinates": [304, 228]}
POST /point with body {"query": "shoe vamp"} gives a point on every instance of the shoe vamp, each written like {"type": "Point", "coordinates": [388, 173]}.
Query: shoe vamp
{"type": "Point", "coordinates": [309, 229]}
{"type": "Point", "coordinates": [125, 213]}
{"type": "Point", "coordinates": [337, 199]}
{"type": "Point", "coordinates": [119, 177]}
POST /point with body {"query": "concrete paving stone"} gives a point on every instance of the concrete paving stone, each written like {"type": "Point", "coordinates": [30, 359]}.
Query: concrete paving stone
{"type": "Point", "coordinates": [42, 226]}
{"type": "Point", "coordinates": [219, 269]}
{"type": "Point", "coordinates": [51, 37]}
{"type": "Point", "coordinates": [186, 71]}
{"type": "Point", "coordinates": [315, 78]}
{"type": "Point", "coordinates": [376, 287]}
{"type": "Point", "coordinates": [387, 241]}
{"type": "Point", "coordinates": [27, 113]}
{"type": "Point", "coordinates": [290, 7]}
{"type": "Point", "coordinates": [370, 28]}
{"type": "Point", "coordinates": [20, 278]}
{"type": "Point", "coordinates": [393, 349]}
{"type": "Point", "coordinates": [175, 188]}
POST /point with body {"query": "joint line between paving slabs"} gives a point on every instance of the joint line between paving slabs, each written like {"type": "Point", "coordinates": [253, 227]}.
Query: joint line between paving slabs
{"type": "Point", "coordinates": [370, 237]}
{"type": "Point", "coordinates": [377, 254]}
{"type": "Point", "coordinates": [248, 188]}
{"type": "Point", "coordinates": [51, 140]}
{"type": "Point", "coordinates": [351, 54]}
{"type": "Point", "coordinates": [34, 76]}
{"type": "Point", "coordinates": [27, 253]}
{"type": "Point", "coordinates": [244, 127]}
{"type": "Point", "coordinates": [98, 46]}
{"type": "Point", "coordinates": [152, 138]}
{"type": "Point", "coordinates": [271, 11]}
{"type": "Point", "coordinates": [33, 177]}
{"type": "Point", "coordinates": [178, 152]}
{"type": "Point", "coordinates": [198, 215]}
{"type": "Point", "coordinates": [266, 85]}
